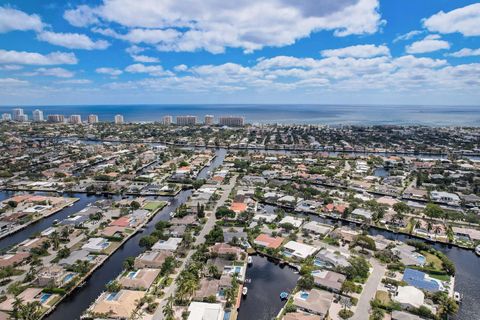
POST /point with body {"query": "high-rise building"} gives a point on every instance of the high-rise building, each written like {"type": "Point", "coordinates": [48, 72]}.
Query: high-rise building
{"type": "Point", "coordinates": [167, 120]}
{"type": "Point", "coordinates": [75, 119]}
{"type": "Point", "coordinates": [92, 118]}
{"type": "Point", "coordinates": [186, 120]}
{"type": "Point", "coordinates": [118, 119]}
{"type": "Point", "coordinates": [6, 117]}
{"type": "Point", "coordinates": [37, 115]}
{"type": "Point", "coordinates": [18, 114]}
{"type": "Point", "coordinates": [208, 120]}
{"type": "Point", "coordinates": [231, 121]}
{"type": "Point", "coordinates": [56, 118]}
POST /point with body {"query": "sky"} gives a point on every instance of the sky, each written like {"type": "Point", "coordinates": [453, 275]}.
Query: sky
{"type": "Point", "coordinates": [243, 51]}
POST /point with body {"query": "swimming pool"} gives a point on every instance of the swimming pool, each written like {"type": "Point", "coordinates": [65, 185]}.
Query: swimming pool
{"type": "Point", "coordinates": [112, 296]}
{"type": "Point", "coordinates": [304, 295]}
{"type": "Point", "coordinates": [132, 274]}
{"type": "Point", "coordinates": [68, 277]}
{"type": "Point", "coordinates": [44, 297]}
{"type": "Point", "coordinates": [421, 259]}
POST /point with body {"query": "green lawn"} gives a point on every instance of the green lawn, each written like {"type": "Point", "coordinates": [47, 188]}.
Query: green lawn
{"type": "Point", "coordinates": [433, 259]}
{"type": "Point", "coordinates": [383, 296]}
{"type": "Point", "coordinates": [154, 205]}
{"type": "Point", "coordinates": [441, 277]}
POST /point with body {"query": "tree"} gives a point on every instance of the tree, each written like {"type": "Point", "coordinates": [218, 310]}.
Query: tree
{"type": "Point", "coordinates": [129, 263]}
{"type": "Point", "coordinates": [135, 205]}
{"type": "Point", "coordinates": [168, 311]}
{"type": "Point", "coordinates": [401, 207]}
{"type": "Point", "coordinates": [434, 211]}
{"type": "Point", "coordinates": [348, 287]}
{"type": "Point", "coordinates": [55, 239]}
{"type": "Point", "coordinates": [306, 282]}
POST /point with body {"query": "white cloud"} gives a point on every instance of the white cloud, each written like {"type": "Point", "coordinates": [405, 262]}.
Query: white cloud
{"type": "Point", "coordinates": [11, 67]}
{"type": "Point", "coordinates": [76, 81]}
{"type": "Point", "coordinates": [144, 59]}
{"type": "Point", "coordinates": [51, 72]}
{"type": "Point", "coordinates": [465, 52]}
{"type": "Point", "coordinates": [358, 51]}
{"type": "Point", "coordinates": [429, 44]}
{"type": "Point", "coordinates": [34, 58]}
{"type": "Point", "coordinates": [72, 41]}
{"type": "Point", "coordinates": [12, 19]}
{"type": "Point", "coordinates": [12, 82]}
{"type": "Point", "coordinates": [180, 68]}
{"type": "Point", "coordinates": [213, 25]}
{"type": "Point", "coordinates": [465, 20]}
{"type": "Point", "coordinates": [110, 71]}
{"type": "Point", "coordinates": [407, 36]}
{"type": "Point", "coordinates": [152, 70]}
{"type": "Point", "coordinates": [81, 16]}
{"type": "Point", "coordinates": [413, 62]}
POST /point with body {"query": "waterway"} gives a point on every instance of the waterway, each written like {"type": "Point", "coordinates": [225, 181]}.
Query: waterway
{"type": "Point", "coordinates": [268, 280]}
{"type": "Point", "coordinates": [74, 305]}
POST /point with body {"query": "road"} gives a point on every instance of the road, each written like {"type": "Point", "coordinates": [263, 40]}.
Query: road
{"type": "Point", "coordinates": [368, 293]}
{"type": "Point", "coordinates": [170, 290]}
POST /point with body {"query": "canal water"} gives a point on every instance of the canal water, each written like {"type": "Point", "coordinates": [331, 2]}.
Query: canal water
{"type": "Point", "coordinates": [73, 306]}
{"type": "Point", "coordinates": [269, 279]}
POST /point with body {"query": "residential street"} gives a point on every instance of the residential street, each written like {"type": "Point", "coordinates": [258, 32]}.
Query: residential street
{"type": "Point", "coordinates": [170, 290]}
{"type": "Point", "coordinates": [368, 293]}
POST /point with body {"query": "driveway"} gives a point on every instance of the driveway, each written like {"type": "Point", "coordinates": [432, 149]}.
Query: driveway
{"type": "Point", "coordinates": [363, 307]}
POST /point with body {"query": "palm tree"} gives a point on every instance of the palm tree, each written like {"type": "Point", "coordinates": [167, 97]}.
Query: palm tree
{"type": "Point", "coordinates": [168, 311]}
{"type": "Point", "coordinates": [213, 270]}
{"type": "Point", "coordinates": [55, 239]}
{"type": "Point", "coordinates": [437, 229]}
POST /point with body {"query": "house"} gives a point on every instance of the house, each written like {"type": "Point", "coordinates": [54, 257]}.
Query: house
{"type": "Point", "coordinates": [421, 280]}
{"type": "Point", "coordinates": [140, 279]}
{"type": "Point", "coordinates": [224, 249]}
{"type": "Point", "coordinates": [96, 245]}
{"type": "Point", "coordinates": [52, 275]}
{"type": "Point", "coordinates": [264, 240]}
{"type": "Point", "coordinates": [466, 233]}
{"type": "Point", "coordinates": [313, 301]}
{"type": "Point", "coordinates": [207, 288]}
{"type": "Point", "coordinates": [317, 228]}
{"type": "Point", "coordinates": [301, 316]}
{"type": "Point", "coordinates": [445, 197]}
{"type": "Point", "coordinates": [328, 279]}
{"type": "Point", "coordinates": [13, 259]}
{"type": "Point", "coordinates": [294, 221]}
{"type": "Point", "coordinates": [401, 315]}
{"type": "Point", "coordinates": [330, 259]}
{"type": "Point", "coordinates": [409, 297]}
{"type": "Point", "coordinates": [151, 259]}
{"type": "Point", "coordinates": [298, 250]}
{"type": "Point", "coordinates": [408, 256]}
{"type": "Point", "coordinates": [77, 255]}
{"type": "Point", "coordinates": [118, 305]}
{"type": "Point", "coordinates": [229, 234]}
{"type": "Point", "coordinates": [205, 311]}
{"type": "Point", "coordinates": [75, 221]}
{"type": "Point", "coordinates": [168, 245]}
{"type": "Point", "coordinates": [30, 244]}
{"type": "Point", "coordinates": [362, 214]}
{"type": "Point", "coordinates": [29, 295]}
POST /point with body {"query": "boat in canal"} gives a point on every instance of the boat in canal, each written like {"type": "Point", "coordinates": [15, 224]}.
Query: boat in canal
{"type": "Point", "coordinates": [477, 250]}
{"type": "Point", "coordinates": [457, 296]}
{"type": "Point", "coordinates": [244, 291]}
{"type": "Point", "coordinates": [283, 295]}
{"type": "Point", "coordinates": [250, 260]}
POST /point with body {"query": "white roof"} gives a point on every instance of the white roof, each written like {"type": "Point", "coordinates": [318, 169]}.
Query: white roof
{"type": "Point", "coordinates": [362, 212]}
{"type": "Point", "coordinates": [317, 227]}
{"type": "Point", "coordinates": [409, 295]}
{"type": "Point", "coordinates": [205, 311]}
{"type": "Point", "coordinates": [300, 250]}
{"type": "Point", "coordinates": [171, 244]}
{"type": "Point", "coordinates": [296, 222]}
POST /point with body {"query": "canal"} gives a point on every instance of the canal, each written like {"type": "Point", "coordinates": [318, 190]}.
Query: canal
{"type": "Point", "coordinates": [268, 280]}
{"type": "Point", "coordinates": [74, 305]}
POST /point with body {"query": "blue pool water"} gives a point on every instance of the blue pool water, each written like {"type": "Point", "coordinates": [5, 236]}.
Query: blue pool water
{"type": "Point", "coordinates": [44, 297]}
{"type": "Point", "coordinates": [112, 296]}
{"type": "Point", "coordinates": [304, 295]}
{"type": "Point", "coordinates": [421, 259]}
{"type": "Point", "coordinates": [68, 277]}
{"type": "Point", "coordinates": [132, 274]}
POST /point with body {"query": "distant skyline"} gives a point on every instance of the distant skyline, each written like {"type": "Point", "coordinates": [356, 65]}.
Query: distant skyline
{"type": "Point", "coordinates": [396, 52]}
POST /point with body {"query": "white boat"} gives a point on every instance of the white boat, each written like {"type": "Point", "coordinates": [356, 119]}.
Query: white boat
{"type": "Point", "coordinates": [477, 250]}
{"type": "Point", "coordinates": [244, 291]}
{"type": "Point", "coordinates": [457, 296]}
{"type": "Point", "coordinates": [249, 260]}
{"type": "Point", "coordinates": [172, 214]}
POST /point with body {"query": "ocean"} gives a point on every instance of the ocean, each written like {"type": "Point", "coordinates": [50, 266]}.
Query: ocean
{"type": "Point", "coordinates": [281, 114]}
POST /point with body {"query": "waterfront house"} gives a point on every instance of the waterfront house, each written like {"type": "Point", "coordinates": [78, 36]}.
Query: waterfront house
{"type": "Point", "coordinates": [301, 316]}
{"type": "Point", "coordinates": [151, 259]}
{"type": "Point", "coordinates": [13, 259]}
{"type": "Point", "coordinates": [317, 228]}
{"type": "Point", "coordinates": [75, 221]}
{"type": "Point", "coordinates": [96, 245]}
{"type": "Point", "coordinates": [167, 245]}
{"type": "Point", "coordinates": [205, 311]}
{"type": "Point", "coordinates": [82, 255]}
{"type": "Point", "coordinates": [346, 234]}
{"type": "Point", "coordinates": [330, 258]}
{"type": "Point", "coordinates": [313, 301]}
{"type": "Point", "coordinates": [207, 288]}
{"type": "Point", "coordinates": [328, 279]}
{"type": "Point", "coordinates": [445, 197]}
{"type": "Point", "coordinates": [298, 250]}
{"type": "Point", "coordinates": [409, 297]}
{"type": "Point", "coordinates": [363, 214]}
{"type": "Point", "coordinates": [231, 233]}
{"type": "Point", "coordinates": [52, 275]}
{"type": "Point", "coordinates": [264, 240]}
{"type": "Point", "coordinates": [466, 233]}
{"type": "Point", "coordinates": [421, 280]}
{"type": "Point", "coordinates": [27, 296]}
{"type": "Point", "coordinates": [29, 244]}
{"type": "Point", "coordinates": [117, 305]}
{"type": "Point", "coordinates": [294, 221]}
{"type": "Point", "coordinates": [140, 279]}
{"type": "Point", "coordinates": [408, 256]}
{"type": "Point", "coordinates": [226, 250]}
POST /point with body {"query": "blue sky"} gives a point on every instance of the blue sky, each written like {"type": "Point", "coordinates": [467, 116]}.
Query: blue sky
{"type": "Point", "coordinates": [216, 51]}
